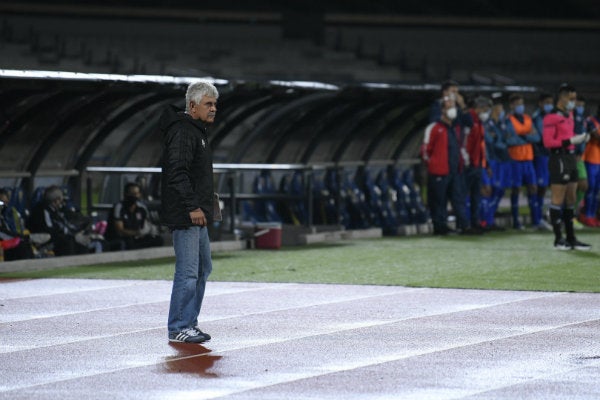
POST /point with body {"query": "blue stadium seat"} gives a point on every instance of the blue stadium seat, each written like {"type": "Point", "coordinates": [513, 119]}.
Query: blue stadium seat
{"type": "Point", "coordinates": [419, 211]}
{"type": "Point", "coordinates": [297, 189]}
{"type": "Point", "coordinates": [325, 211]}
{"type": "Point", "coordinates": [265, 210]}
{"type": "Point", "coordinates": [402, 204]}
{"type": "Point", "coordinates": [356, 205]}
{"type": "Point", "coordinates": [388, 196]}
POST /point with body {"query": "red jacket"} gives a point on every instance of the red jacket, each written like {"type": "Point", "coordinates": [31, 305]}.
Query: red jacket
{"type": "Point", "coordinates": [436, 149]}
{"type": "Point", "coordinates": [475, 142]}
{"type": "Point", "coordinates": [558, 127]}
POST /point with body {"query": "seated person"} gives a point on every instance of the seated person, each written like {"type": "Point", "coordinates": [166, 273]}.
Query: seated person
{"type": "Point", "coordinates": [67, 236]}
{"type": "Point", "coordinates": [129, 226]}
{"type": "Point", "coordinates": [16, 246]}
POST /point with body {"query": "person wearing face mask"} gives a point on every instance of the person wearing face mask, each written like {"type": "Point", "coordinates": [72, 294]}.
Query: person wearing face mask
{"type": "Point", "coordinates": [591, 158]}
{"type": "Point", "coordinates": [521, 136]}
{"type": "Point", "coordinates": [580, 118]}
{"type": "Point", "coordinates": [451, 90]}
{"type": "Point", "coordinates": [475, 152]}
{"type": "Point", "coordinates": [560, 138]}
{"type": "Point", "coordinates": [129, 226]}
{"type": "Point", "coordinates": [540, 157]}
{"type": "Point", "coordinates": [442, 156]}
{"type": "Point", "coordinates": [499, 168]}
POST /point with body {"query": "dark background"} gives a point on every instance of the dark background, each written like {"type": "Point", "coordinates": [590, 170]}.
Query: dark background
{"type": "Point", "coordinates": [385, 60]}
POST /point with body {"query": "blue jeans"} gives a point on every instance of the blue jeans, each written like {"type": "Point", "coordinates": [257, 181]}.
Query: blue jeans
{"type": "Point", "coordinates": [193, 265]}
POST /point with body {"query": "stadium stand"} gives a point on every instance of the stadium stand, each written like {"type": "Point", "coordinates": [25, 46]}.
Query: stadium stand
{"type": "Point", "coordinates": [347, 97]}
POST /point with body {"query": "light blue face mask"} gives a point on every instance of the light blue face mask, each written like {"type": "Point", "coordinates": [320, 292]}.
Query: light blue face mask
{"type": "Point", "coordinates": [579, 110]}
{"type": "Point", "coordinates": [548, 108]}
{"type": "Point", "coordinates": [520, 109]}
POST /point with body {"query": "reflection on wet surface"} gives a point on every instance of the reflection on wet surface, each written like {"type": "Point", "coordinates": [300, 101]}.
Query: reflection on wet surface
{"type": "Point", "coordinates": [191, 359]}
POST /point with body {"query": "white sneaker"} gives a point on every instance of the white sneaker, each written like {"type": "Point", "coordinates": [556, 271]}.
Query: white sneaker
{"type": "Point", "coordinates": [561, 244]}
{"type": "Point", "coordinates": [544, 226]}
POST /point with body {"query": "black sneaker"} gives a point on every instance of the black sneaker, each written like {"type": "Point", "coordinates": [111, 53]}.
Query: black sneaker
{"type": "Point", "coordinates": [577, 245]}
{"type": "Point", "coordinates": [561, 244]}
{"type": "Point", "coordinates": [206, 335]}
{"type": "Point", "coordinates": [187, 336]}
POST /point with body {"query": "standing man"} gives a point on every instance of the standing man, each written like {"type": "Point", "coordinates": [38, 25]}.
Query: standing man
{"type": "Point", "coordinates": [560, 139]}
{"type": "Point", "coordinates": [442, 155]}
{"type": "Point", "coordinates": [499, 160]}
{"type": "Point", "coordinates": [540, 156]}
{"type": "Point", "coordinates": [475, 149]}
{"type": "Point", "coordinates": [187, 204]}
{"type": "Point", "coordinates": [582, 185]}
{"type": "Point", "coordinates": [591, 157]}
{"type": "Point", "coordinates": [521, 135]}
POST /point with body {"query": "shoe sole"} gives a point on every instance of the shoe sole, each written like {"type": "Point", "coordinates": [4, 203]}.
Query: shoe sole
{"type": "Point", "coordinates": [562, 248]}
{"type": "Point", "coordinates": [588, 248]}
{"type": "Point", "coordinates": [184, 341]}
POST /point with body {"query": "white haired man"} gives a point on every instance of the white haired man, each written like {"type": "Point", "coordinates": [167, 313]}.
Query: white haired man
{"type": "Point", "coordinates": [187, 204]}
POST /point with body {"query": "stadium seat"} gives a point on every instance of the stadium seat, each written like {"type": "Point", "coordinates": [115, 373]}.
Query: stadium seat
{"type": "Point", "coordinates": [265, 210]}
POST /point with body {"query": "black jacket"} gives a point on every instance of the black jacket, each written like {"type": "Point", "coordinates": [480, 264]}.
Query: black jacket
{"type": "Point", "coordinates": [187, 172]}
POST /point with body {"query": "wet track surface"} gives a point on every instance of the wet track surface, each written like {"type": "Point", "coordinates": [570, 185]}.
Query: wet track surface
{"type": "Point", "coordinates": [99, 339]}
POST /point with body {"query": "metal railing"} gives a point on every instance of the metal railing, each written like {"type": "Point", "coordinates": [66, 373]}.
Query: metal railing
{"type": "Point", "coordinates": [232, 196]}
{"type": "Point", "coordinates": [232, 171]}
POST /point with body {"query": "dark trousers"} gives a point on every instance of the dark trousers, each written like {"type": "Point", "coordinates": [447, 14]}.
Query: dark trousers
{"type": "Point", "coordinates": [440, 189]}
{"type": "Point", "coordinates": [457, 196]}
{"type": "Point", "coordinates": [437, 200]}
{"type": "Point", "coordinates": [473, 191]}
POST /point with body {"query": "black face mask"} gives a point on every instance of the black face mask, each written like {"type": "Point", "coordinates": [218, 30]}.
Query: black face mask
{"type": "Point", "coordinates": [130, 200]}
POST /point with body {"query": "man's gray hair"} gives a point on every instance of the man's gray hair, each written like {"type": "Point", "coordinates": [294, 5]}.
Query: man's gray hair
{"type": "Point", "coordinates": [53, 193]}
{"type": "Point", "coordinates": [197, 90]}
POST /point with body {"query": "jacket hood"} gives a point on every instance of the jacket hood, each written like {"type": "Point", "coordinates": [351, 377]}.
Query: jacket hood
{"type": "Point", "coordinates": [173, 115]}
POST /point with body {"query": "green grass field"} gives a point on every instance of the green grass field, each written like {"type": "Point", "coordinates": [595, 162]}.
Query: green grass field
{"type": "Point", "coordinates": [508, 260]}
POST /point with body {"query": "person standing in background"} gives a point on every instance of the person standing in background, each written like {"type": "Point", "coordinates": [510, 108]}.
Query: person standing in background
{"type": "Point", "coordinates": [591, 158]}
{"type": "Point", "coordinates": [499, 160]}
{"type": "Point", "coordinates": [559, 137]}
{"type": "Point", "coordinates": [540, 157]}
{"type": "Point", "coordinates": [579, 117]}
{"type": "Point", "coordinates": [521, 135]}
{"type": "Point", "coordinates": [475, 149]}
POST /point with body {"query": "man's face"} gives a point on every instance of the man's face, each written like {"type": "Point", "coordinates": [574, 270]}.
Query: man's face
{"type": "Point", "coordinates": [515, 103]}
{"type": "Point", "coordinates": [4, 198]}
{"type": "Point", "coordinates": [451, 92]}
{"type": "Point", "coordinates": [497, 109]}
{"type": "Point", "coordinates": [134, 191]}
{"type": "Point", "coordinates": [58, 203]}
{"type": "Point", "coordinates": [566, 98]}
{"type": "Point", "coordinates": [205, 111]}
{"type": "Point", "coordinates": [547, 100]}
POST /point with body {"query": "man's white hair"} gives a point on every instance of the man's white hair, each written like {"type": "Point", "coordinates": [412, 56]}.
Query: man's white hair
{"type": "Point", "coordinates": [197, 90]}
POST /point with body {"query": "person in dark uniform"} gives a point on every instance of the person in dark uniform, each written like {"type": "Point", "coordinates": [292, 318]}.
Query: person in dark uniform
{"type": "Point", "coordinates": [129, 226]}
